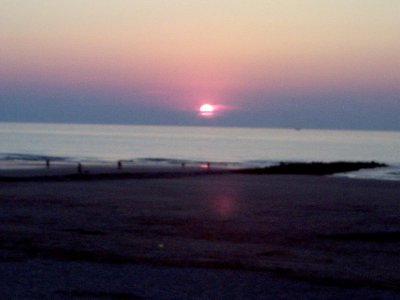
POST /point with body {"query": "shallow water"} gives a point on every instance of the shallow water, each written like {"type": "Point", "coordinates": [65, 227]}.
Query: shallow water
{"type": "Point", "coordinates": [28, 145]}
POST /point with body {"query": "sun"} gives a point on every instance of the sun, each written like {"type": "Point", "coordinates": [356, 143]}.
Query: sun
{"type": "Point", "coordinates": [206, 110]}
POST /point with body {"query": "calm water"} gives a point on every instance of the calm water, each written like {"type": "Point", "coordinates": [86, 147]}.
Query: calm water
{"type": "Point", "coordinates": [23, 144]}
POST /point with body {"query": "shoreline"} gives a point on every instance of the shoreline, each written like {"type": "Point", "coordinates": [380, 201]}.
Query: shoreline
{"type": "Point", "coordinates": [89, 172]}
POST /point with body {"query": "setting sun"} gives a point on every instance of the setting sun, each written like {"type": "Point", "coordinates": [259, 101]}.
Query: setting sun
{"type": "Point", "coordinates": [207, 110]}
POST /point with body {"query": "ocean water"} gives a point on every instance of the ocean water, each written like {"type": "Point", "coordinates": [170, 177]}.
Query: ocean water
{"type": "Point", "coordinates": [27, 145]}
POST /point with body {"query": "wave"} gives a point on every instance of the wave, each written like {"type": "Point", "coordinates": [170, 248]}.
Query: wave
{"type": "Point", "coordinates": [391, 173]}
{"type": "Point", "coordinates": [163, 161]}
{"type": "Point", "coordinates": [33, 158]}
{"type": "Point", "coordinates": [29, 161]}
{"type": "Point", "coordinates": [30, 157]}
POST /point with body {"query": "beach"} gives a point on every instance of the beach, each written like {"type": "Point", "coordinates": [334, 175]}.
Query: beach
{"type": "Point", "coordinates": [200, 234]}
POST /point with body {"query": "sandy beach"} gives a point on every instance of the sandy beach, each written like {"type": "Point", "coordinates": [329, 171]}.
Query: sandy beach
{"type": "Point", "coordinates": [199, 235]}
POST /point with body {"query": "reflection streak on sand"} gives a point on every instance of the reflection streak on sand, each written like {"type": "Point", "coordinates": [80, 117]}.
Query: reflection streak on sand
{"type": "Point", "coordinates": [224, 206]}
{"type": "Point", "coordinates": [223, 198]}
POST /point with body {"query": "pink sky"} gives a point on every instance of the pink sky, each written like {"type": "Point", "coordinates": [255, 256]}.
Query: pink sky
{"type": "Point", "coordinates": [181, 53]}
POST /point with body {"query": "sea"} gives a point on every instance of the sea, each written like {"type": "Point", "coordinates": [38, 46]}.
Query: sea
{"type": "Point", "coordinates": [28, 145]}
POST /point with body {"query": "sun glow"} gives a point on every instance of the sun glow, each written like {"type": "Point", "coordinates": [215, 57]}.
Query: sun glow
{"type": "Point", "coordinates": [206, 110]}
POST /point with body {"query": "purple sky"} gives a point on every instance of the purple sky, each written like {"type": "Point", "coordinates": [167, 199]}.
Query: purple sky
{"type": "Point", "coordinates": [307, 64]}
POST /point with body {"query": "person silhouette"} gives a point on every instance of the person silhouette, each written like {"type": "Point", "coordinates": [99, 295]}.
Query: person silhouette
{"type": "Point", "coordinates": [79, 168]}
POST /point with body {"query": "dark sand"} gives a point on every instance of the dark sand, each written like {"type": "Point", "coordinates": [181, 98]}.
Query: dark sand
{"type": "Point", "coordinates": [217, 236]}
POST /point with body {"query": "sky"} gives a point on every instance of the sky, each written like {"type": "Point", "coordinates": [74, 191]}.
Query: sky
{"type": "Point", "coordinates": [260, 63]}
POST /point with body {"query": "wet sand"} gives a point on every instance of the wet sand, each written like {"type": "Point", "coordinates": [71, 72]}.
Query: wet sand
{"type": "Point", "coordinates": [329, 237]}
